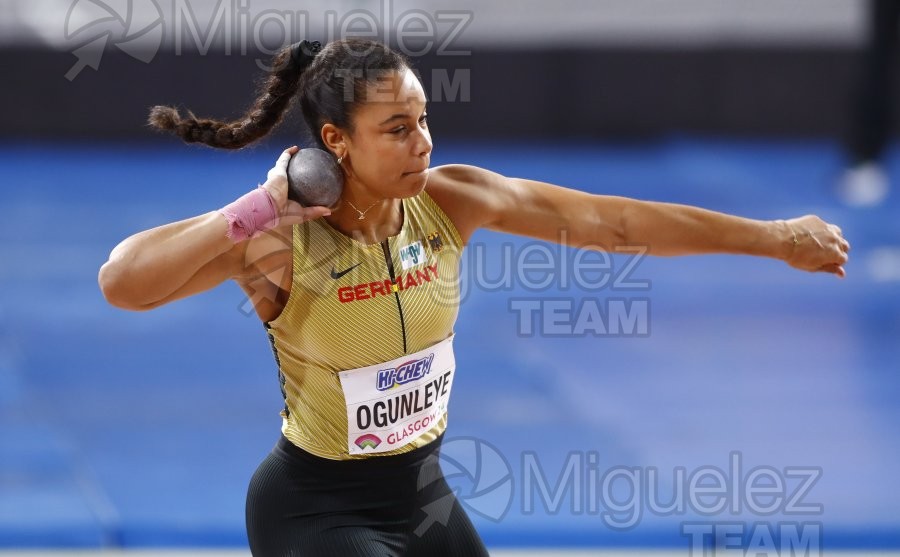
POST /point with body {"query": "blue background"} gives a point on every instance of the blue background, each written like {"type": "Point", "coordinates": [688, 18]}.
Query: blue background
{"type": "Point", "coordinates": [135, 429]}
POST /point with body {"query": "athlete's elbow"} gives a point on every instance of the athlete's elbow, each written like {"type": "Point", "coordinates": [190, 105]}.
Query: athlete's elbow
{"type": "Point", "coordinates": [115, 287]}
{"type": "Point", "coordinates": [110, 283]}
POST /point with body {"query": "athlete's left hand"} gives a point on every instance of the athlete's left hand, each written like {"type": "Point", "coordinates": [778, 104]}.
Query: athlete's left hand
{"type": "Point", "coordinates": [816, 246]}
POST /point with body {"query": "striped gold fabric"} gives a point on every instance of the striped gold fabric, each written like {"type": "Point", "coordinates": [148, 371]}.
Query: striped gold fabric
{"type": "Point", "coordinates": [360, 318]}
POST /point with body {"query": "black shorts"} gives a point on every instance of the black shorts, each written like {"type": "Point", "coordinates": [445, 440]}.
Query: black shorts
{"type": "Point", "coordinates": [299, 504]}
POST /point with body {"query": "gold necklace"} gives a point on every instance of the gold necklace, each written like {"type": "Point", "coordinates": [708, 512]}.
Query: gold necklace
{"type": "Point", "coordinates": [362, 214]}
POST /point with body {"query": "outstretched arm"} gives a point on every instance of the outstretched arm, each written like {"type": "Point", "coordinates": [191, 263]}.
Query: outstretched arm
{"type": "Point", "coordinates": [480, 198]}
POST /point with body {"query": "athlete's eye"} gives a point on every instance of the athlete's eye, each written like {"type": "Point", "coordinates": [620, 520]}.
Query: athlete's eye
{"type": "Point", "coordinates": [401, 129]}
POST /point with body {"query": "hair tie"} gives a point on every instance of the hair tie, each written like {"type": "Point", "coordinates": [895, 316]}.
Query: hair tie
{"type": "Point", "coordinates": [304, 52]}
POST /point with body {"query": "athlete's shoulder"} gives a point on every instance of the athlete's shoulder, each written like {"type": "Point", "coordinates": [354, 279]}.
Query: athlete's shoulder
{"type": "Point", "coordinates": [462, 183]}
{"type": "Point", "coordinates": [460, 175]}
{"type": "Point", "coordinates": [463, 192]}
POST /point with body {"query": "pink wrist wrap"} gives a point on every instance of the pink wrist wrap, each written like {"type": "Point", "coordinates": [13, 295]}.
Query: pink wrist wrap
{"type": "Point", "coordinates": [251, 213]}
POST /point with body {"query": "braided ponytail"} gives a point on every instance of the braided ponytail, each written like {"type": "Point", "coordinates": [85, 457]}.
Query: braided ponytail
{"type": "Point", "coordinates": [279, 91]}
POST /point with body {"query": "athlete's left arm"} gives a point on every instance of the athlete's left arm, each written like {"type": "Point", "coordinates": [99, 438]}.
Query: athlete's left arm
{"type": "Point", "coordinates": [485, 199]}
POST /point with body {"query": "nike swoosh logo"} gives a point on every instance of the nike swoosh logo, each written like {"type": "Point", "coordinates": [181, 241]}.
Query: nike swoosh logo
{"type": "Point", "coordinates": [337, 275]}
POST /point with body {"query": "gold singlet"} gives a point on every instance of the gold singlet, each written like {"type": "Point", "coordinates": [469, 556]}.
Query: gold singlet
{"type": "Point", "coordinates": [349, 308]}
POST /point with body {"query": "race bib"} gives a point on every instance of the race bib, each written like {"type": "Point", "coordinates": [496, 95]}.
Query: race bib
{"type": "Point", "coordinates": [392, 404]}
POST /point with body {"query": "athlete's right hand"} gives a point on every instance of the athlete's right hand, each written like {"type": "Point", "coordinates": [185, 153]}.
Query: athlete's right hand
{"type": "Point", "coordinates": [289, 211]}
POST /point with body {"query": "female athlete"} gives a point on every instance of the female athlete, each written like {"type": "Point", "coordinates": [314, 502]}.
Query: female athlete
{"type": "Point", "coordinates": [359, 300]}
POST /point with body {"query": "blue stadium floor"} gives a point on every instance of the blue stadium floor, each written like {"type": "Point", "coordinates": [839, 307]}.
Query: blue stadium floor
{"type": "Point", "coordinates": [130, 430]}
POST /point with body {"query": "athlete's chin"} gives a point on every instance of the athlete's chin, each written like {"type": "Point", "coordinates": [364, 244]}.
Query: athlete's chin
{"type": "Point", "coordinates": [414, 182]}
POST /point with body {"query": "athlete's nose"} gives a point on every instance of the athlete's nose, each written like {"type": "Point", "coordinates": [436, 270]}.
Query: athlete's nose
{"type": "Point", "coordinates": [424, 145]}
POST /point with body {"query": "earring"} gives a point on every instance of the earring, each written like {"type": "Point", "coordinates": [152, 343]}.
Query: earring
{"type": "Point", "coordinates": [340, 159]}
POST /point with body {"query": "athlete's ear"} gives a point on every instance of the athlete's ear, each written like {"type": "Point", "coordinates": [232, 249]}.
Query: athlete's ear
{"type": "Point", "coordinates": [334, 139]}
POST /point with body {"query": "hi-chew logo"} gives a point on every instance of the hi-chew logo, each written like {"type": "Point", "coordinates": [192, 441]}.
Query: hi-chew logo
{"type": "Point", "coordinates": [404, 373]}
{"type": "Point", "coordinates": [368, 441]}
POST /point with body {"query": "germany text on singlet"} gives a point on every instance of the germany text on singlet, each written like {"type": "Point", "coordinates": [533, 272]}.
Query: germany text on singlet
{"type": "Point", "coordinates": [364, 343]}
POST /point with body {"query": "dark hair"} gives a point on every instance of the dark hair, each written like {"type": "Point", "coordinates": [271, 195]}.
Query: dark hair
{"type": "Point", "coordinates": [330, 84]}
